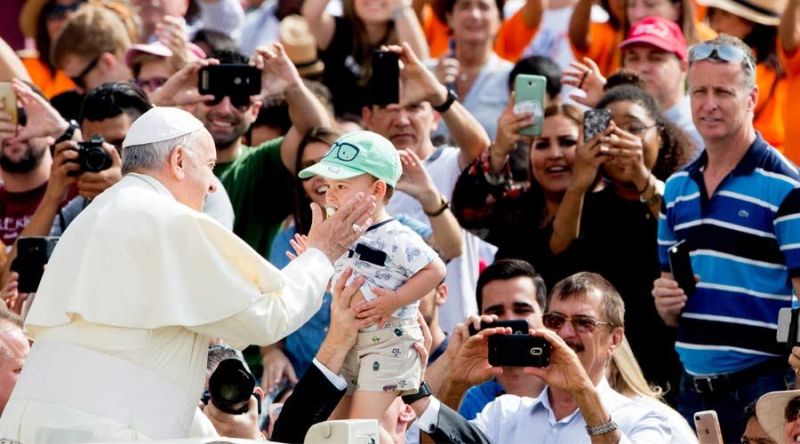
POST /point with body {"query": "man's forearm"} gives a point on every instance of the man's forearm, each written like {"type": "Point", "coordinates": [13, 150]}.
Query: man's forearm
{"type": "Point", "coordinates": [305, 110]}
{"type": "Point", "coordinates": [331, 356]}
{"type": "Point", "coordinates": [466, 132]}
{"type": "Point", "coordinates": [789, 29]}
{"type": "Point", "coordinates": [595, 414]}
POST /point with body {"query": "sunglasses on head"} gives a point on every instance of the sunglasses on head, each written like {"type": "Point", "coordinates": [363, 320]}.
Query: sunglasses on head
{"type": "Point", "coordinates": [580, 323]}
{"type": "Point", "coordinates": [722, 53]}
{"type": "Point", "coordinates": [241, 103]}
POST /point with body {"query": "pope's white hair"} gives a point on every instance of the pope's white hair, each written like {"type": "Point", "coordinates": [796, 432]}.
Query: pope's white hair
{"type": "Point", "coordinates": [154, 156]}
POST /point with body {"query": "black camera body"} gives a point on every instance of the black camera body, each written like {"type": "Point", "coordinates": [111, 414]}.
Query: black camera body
{"type": "Point", "coordinates": [92, 157]}
{"type": "Point", "coordinates": [230, 387]}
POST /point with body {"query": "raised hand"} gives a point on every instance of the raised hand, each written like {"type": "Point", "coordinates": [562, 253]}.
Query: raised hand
{"type": "Point", "coordinates": [585, 76]}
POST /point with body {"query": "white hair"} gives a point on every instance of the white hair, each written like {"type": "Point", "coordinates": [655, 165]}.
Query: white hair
{"type": "Point", "coordinates": [154, 156]}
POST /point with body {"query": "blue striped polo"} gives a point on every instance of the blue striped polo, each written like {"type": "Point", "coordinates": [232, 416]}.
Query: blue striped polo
{"type": "Point", "coordinates": [745, 243]}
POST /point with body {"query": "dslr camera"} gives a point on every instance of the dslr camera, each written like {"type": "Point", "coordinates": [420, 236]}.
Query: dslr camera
{"type": "Point", "coordinates": [230, 387]}
{"type": "Point", "coordinates": [92, 157]}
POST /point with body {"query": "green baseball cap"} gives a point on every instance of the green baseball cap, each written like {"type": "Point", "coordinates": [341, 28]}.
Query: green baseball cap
{"type": "Point", "coordinates": [357, 153]}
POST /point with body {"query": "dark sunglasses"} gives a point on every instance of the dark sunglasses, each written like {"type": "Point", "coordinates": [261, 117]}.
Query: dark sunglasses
{"type": "Point", "coordinates": [80, 78]}
{"type": "Point", "coordinates": [580, 323]}
{"type": "Point", "coordinates": [58, 12]}
{"type": "Point", "coordinates": [150, 84]}
{"type": "Point", "coordinates": [723, 53]}
{"type": "Point", "coordinates": [241, 103]}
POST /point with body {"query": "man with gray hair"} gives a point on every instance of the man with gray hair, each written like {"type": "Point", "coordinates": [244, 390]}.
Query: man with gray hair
{"type": "Point", "coordinates": [142, 281]}
{"type": "Point", "coordinates": [736, 209]}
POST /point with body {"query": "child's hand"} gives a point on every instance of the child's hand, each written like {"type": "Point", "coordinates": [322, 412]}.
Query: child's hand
{"type": "Point", "coordinates": [300, 245]}
{"type": "Point", "coordinates": [384, 305]}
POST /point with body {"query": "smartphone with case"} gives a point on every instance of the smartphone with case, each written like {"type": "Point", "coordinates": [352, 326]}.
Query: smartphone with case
{"type": "Point", "coordinates": [232, 80]}
{"type": "Point", "coordinates": [32, 255]}
{"type": "Point", "coordinates": [518, 326]}
{"type": "Point", "coordinates": [9, 100]}
{"type": "Point", "coordinates": [681, 265]}
{"type": "Point", "coordinates": [529, 92]}
{"type": "Point", "coordinates": [385, 83]}
{"type": "Point", "coordinates": [518, 351]}
{"type": "Point", "coordinates": [788, 331]}
{"type": "Point", "coordinates": [595, 121]}
{"type": "Point", "coordinates": [707, 425]}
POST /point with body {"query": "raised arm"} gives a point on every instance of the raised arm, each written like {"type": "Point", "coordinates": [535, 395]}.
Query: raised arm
{"type": "Point", "coordinates": [789, 29]}
{"type": "Point", "coordinates": [280, 77]}
{"type": "Point", "coordinates": [10, 65]}
{"type": "Point", "coordinates": [532, 12]}
{"type": "Point", "coordinates": [321, 23]}
{"type": "Point", "coordinates": [579, 27]}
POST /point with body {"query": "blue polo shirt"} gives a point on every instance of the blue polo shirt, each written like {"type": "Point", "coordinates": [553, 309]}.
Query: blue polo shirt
{"type": "Point", "coordinates": [745, 243]}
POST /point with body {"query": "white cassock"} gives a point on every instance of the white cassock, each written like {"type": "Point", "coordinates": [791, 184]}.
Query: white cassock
{"type": "Point", "coordinates": [122, 319]}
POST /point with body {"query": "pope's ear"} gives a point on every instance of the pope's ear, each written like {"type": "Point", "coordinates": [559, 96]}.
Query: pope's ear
{"type": "Point", "coordinates": [176, 162]}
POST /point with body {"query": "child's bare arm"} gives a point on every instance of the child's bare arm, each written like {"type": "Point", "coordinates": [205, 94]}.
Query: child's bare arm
{"type": "Point", "coordinates": [417, 286]}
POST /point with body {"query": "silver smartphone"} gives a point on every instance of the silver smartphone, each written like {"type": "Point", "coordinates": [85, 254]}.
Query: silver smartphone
{"type": "Point", "coordinates": [785, 317]}
{"type": "Point", "coordinates": [707, 425]}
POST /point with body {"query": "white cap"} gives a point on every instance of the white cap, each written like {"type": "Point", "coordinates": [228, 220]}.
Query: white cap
{"type": "Point", "coordinates": [159, 124]}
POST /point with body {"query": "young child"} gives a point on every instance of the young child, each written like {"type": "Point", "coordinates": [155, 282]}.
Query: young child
{"type": "Point", "coordinates": [399, 267]}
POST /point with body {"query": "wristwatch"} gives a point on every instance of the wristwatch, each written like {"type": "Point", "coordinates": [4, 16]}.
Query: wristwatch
{"type": "Point", "coordinates": [68, 133]}
{"type": "Point", "coordinates": [451, 97]}
{"type": "Point", "coordinates": [602, 429]}
{"type": "Point", "coordinates": [658, 193]}
{"type": "Point", "coordinates": [424, 392]}
{"type": "Point", "coordinates": [445, 204]}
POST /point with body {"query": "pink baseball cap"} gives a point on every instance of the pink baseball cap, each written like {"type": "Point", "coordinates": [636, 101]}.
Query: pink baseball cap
{"type": "Point", "coordinates": [157, 49]}
{"type": "Point", "coordinates": [659, 32]}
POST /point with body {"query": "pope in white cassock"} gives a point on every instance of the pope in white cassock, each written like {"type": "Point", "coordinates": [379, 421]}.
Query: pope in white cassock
{"type": "Point", "coordinates": [138, 285]}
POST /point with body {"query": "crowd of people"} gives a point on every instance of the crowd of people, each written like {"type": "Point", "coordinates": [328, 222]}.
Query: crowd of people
{"type": "Point", "coordinates": [361, 252]}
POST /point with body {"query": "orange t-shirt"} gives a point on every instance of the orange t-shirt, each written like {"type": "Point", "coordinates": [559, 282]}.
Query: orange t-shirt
{"type": "Point", "coordinates": [436, 33]}
{"type": "Point", "coordinates": [41, 77]}
{"type": "Point", "coordinates": [514, 36]}
{"type": "Point", "coordinates": [791, 62]}
{"type": "Point", "coordinates": [770, 109]}
{"type": "Point", "coordinates": [603, 47]}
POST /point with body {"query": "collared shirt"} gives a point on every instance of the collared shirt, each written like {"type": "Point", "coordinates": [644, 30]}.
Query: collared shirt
{"type": "Point", "coordinates": [745, 246]}
{"type": "Point", "coordinates": [512, 419]}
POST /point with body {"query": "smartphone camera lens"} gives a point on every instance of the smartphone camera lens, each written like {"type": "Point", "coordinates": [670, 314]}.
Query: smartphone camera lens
{"type": "Point", "coordinates": [237, 80]}
{"type": "Point", "coordinates": [536, 351]}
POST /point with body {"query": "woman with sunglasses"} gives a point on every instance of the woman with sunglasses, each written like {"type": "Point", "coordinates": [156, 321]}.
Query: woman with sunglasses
{"type": "Point", "coordinates": [755, 22]}
{"type": "Point", "coordinates": [518, 216]}
{"type": "Point", "coordinates": [609, 216]}
{"type": "Point", "coordinates": [600, 41]}
{"type": "Point", "coordinates": [42, 20]}
{"type": "Point", "coordinates": [347, 43]}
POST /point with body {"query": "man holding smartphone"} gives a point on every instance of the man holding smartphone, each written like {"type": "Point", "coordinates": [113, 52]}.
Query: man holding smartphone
{"type": "Point", "coordinates": [736, 208]}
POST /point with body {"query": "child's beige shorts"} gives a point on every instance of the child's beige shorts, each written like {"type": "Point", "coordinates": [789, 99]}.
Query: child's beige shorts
{"type": "Point", "coordinates": [384, 359]}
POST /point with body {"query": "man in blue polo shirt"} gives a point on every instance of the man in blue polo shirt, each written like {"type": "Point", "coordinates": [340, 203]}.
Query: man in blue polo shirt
{"type": "Point", "coordinates": [738, 209]}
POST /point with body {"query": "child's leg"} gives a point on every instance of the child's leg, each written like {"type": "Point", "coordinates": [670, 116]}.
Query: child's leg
{"type": "Point", "coordinates": [342, 410]}
{"type": "Point", "coordinates": [370, 405]}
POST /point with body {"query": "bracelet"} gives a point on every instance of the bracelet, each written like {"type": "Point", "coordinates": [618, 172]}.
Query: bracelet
{"type": "Point", "coordinates": [445, 205]}
{"type": "Point", "coordinates": [602, 429]}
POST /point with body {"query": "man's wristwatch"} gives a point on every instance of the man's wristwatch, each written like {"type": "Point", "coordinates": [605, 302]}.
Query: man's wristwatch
{"type": "Point", "coordinates": [444, 205]}
{"type": "Point", "coordinates": [602, 429]}
{"type": "Point", "coordinates": [68, 133]}
{"type": "Point", "coordinates": [451, 97]}
{"type": "Point", "coordinates": [424, 392]}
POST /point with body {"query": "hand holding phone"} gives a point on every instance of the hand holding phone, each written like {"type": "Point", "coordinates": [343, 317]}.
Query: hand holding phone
{"type": "Point", "coordinates": [385, 82]}
{"type": "Point", "coordinates": [237, 81]}
{"type": "Point", "coordinates": [33, 254]}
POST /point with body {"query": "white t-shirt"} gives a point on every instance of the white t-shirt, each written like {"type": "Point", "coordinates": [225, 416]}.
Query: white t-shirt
{"type": "Point", "coordinates": [387, 255]}
{"type": "Point", "coordinates": [462, 272]}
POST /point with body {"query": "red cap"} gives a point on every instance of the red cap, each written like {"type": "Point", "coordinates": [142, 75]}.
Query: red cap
{"type": "Point", "coordinates": [659, 32]}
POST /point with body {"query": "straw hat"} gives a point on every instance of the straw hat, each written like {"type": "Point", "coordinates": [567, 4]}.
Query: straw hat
{"type": "Point", "coordinates": [300, 45]}
{"type": "Point", "coordinates": [29, 16]}
{"type": "Point", "coordinates": [765, 12]}
{"type": "Point", "coordinates": [770, 412]}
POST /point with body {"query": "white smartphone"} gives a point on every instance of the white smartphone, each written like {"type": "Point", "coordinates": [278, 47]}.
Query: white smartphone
{"type": "Point", "coordinates": [707, 425]}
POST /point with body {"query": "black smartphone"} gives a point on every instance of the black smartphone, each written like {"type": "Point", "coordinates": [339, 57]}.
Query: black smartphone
{"type": "Point", "coordinates": [595, 121]}
{"type": "Point", "coordinates": [681, 265]}
{"type": "Point", "coordinates": [32, 255]}
{"type": "Point", "coordinates": [518, 326]}
{"type": "Point", "coordinates": [232, 80]}
{"type": "Point", "coordinates": [385, 83]}
{"type": "Point", "coordinates": [518, 351]}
